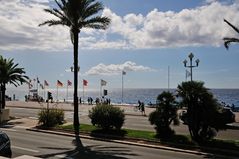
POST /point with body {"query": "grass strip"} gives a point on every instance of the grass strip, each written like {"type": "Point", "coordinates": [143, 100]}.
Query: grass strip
{"type": "Point", "coordinates": [149, 135]}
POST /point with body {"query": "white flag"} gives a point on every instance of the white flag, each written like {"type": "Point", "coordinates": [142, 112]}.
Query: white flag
{"type": "Point", "coordinates": [188, 74]}
{"type": "Point", "coordinates": [103, 82]}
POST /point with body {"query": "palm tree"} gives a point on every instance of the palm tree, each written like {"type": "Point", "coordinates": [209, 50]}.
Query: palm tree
{"type": "Point", "coordinates": [77, 14]}
{"type": "Point", "coordinates": [10, 74]}
{"type": "Point", "coordinates": [165, 114]}
{"type": "Point", "coordinates": [228, 40]}
{"type": "Point", "coordinates": [202, 109]}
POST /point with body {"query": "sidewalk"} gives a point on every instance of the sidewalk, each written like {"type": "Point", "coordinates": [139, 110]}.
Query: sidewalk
{"type": "Point", "coordinates": [129, 109]}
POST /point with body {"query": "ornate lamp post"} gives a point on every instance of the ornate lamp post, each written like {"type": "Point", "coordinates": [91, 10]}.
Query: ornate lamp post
{"type": "Point", "coordinates": [191, 65]}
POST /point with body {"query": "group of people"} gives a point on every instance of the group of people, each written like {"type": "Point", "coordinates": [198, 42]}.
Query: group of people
{"type": "Point", "coordinates": [97, 101]}
{"type": "Point", "coordinates": [103, 100]}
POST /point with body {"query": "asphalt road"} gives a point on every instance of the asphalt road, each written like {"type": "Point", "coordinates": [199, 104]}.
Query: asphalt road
{"type": "Point", "coordinates": [56, 146]}
{"type": "Point", "coordinates": [133, 122]}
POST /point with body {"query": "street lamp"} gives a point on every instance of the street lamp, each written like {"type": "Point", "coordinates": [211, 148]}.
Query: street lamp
{"type": "Point", "coordinates": [191, 56]}
{"type": "Point", "coordinates": [72, 69]}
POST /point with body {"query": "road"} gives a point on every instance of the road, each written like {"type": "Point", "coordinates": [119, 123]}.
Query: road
{"type": "Point", "coordinates": [56, 146]}
{"type": "Point", "coordinates": [133, 122]}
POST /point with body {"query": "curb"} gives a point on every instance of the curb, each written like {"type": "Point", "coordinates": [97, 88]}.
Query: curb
{"type": "Point", "coordinates": [211, 151]}
{"type": "Point", "coordinates": [120, 141]}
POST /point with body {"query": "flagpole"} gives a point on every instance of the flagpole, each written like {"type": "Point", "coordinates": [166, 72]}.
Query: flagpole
{"type": "Point", "coordinates": [67, 90]}
{"type": "Point", "coordinates": [122, 88]}
{"type": "Point", "coordinates": [57, 92]}
{"type": "Point", "coordinates": [100, 89]}
{"type": "Point", "coordinates": [168, 78]}
{"type": "Point", "coordinates": [83, 87]}
{"type": "Point", "coordinates": [37, 86]}
{"type": "Point", "coordinates": [44, 91]}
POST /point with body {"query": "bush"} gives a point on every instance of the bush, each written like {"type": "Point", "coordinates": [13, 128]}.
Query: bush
{"type": "Point", "coordinates": [107, 117]}
{"type": "Point", "coordinates": [164, 115]}
{"type": "Point", "coordinates": [51, 117]}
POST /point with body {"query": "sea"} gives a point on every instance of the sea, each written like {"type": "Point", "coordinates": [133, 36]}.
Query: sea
{"type": "Point", "coordinates": [130, 96]}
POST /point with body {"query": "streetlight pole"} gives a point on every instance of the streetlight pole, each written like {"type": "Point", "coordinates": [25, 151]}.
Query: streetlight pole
{"type": "Point", "coordinates": [191, 56]}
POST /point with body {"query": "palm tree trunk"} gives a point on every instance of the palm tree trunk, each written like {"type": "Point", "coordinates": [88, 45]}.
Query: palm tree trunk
{"type": "Point", "coordinates": [76, 114]}
{"type": "Point", "coordinates": [3, 90]}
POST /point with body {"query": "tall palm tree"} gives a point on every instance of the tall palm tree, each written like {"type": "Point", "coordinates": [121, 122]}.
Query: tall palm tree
{"type": "Point", "coordinates": [77, 14]}
{"type": "Point", "coordinates": [10, 74]}
{"type": "Point", "coordinates": [228, 40]}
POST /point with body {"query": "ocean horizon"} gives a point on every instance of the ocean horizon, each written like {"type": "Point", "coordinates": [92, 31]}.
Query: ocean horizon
{"type": "Point", "coordinates": [130, 95]}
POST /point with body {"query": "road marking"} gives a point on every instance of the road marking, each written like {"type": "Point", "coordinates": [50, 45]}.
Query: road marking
{"type": "Point", "coordinates": [6, 129]}
{"type": "Point", "coordinates": [60, 156]}
{"type": "Point", "coordinates": [22, 127]}
{"type": "Point", "coordinates": [36, 118]}
{"type": "Point", "coordinates": [25, 149]}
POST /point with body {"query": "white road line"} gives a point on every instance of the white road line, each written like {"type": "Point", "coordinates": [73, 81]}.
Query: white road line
{"type": "Point", "coordinates": [22, 127]}
{"type": "Point", "coordinates": [60, 156]}
{"type": "Point", "coordinates": [36, 118]}
{"type": "Point", "coordinates": [5, 129]}
{"type": "Point", "coordinates": [25, 149]}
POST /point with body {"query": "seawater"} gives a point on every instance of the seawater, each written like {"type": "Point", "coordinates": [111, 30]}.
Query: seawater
{"type": "Point", "coordinates": [130, 96]}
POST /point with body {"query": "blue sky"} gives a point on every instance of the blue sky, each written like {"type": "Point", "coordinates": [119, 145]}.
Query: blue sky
{"type": "Point", "coordinates": [145, 37]}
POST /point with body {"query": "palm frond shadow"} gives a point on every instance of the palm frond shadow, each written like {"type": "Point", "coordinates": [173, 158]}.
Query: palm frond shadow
{"type": "Point", "coordinates": [92, 151]}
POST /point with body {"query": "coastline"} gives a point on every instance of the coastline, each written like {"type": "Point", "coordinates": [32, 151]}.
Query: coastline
{"type": "Point", "coordinates": [128, 108]}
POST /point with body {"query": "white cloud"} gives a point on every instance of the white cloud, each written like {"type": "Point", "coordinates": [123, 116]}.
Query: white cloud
{"type": "Point", "coordinates": [115, 69]}
{"type": "Point", "coordinates": [190, 27]}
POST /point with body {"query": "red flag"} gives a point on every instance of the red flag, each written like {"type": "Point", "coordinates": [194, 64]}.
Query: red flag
{"type": "Point", "coordinates": [85, 82]}
{"type": "Point", "coordinates": [46, 83]}
{"type": "Point", "coordinates": [59, 84]}
{"type": "Point", "coordinates": [69, 83]}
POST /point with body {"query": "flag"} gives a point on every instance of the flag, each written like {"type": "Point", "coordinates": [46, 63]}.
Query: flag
{"type": "Point", "coordinates": [103, 82]}
{"type": "Point", "coordinates": [59, 84]}
{"type": "Point", "coordinates": [30, 84]}
{"type": "Point", "coordinates": [38, 81]}
{"type": "Point", "coordinates": [46, 83]}
{"type": "Point", "coordinates": [188, 74]}
{"type": "Point", "coordinates": [41, 85]}
{"type": "Point", "coordinates": [85, 82]}
{"type": "Point", "coordinates": [69, 83]}
{"type": "Point", "coordinates": [123, 73]}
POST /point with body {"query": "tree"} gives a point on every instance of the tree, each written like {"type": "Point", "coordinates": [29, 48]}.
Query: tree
{"type": "Point", "coordinates": [165, 114]}
{"type": "Point", "coordinates": [10, 74]}
{"type": "Point", "coordinates": [202, 110]}
{"type": "Point", "coordinates": [77, 14]}
{"type": "Point", "coordinates": [228, 40]}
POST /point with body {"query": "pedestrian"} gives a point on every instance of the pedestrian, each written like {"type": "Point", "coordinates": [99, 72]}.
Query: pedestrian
{"type": "Point", "coordinates": [139, 104]}
{"type": "Point", "coordinates": [142, 109]}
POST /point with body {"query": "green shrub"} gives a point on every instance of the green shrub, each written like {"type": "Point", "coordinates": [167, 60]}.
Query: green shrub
{"type": "Point", "coordinates": [164, 115]}
{"type": "Point", "coordinates": [51, 117]}
{"type": "Point", "coordinates": [107, 117]}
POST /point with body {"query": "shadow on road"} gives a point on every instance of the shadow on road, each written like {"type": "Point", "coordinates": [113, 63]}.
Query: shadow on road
{"type": "Point", "coordinates": [89, 152]}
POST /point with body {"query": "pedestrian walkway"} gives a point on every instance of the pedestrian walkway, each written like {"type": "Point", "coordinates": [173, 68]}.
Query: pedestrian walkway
{"type": "Point", "coordinates": [128, 109]}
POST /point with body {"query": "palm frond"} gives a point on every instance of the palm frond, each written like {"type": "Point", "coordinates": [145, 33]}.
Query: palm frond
{"type": "Point", "coordinates": [227, 41]}
{"type": "Point", "coordinates": [92, 10]}
{"type": "Point", "coordinates": [235, 28]}
{"type": "Point", "coordinates": [53, 22]}
{"type": "Point", "coordinates": [11, 73]}
{"type": "Point", "coordinates": [97, 23]}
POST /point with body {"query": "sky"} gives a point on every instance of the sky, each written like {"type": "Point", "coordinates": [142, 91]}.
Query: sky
{"type": "Point", "coordinates": [148, 39]}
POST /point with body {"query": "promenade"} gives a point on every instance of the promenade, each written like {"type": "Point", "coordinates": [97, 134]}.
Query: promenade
{"type": "Point", "coordinates": [129, 109]}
